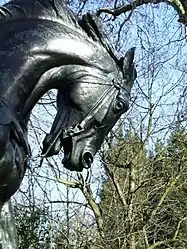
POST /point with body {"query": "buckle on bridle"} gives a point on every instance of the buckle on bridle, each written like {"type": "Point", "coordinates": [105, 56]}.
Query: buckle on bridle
{"type": "Point", "coordinates": [72, 131]}
{"type": "Point", "coordinates": [116, 84]}
{"type": "Point", "coordinates": [120, 87]}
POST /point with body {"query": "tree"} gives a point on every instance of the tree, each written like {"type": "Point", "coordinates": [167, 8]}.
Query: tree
{"type": "Point", "coordinates": [33, 227]}
{"type": "Point", "coordinates": [144, 197]}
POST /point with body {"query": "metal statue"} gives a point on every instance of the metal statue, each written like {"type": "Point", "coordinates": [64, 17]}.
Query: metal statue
{"type": "Point", "coordinates": [44, 46]}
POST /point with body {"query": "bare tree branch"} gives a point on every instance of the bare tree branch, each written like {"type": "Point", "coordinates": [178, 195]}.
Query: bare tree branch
{"type": "Point", "coordinates": [179, 6]}
{"type": "Point", "coordinates": [125, 8]}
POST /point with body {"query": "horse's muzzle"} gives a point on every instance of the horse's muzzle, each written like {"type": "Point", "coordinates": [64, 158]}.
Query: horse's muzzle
{"type": "Point", "coordinates": [76, 158]}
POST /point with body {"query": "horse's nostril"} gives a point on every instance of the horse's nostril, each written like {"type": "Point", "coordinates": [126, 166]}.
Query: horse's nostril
{"type": "Point", "coordinates": [87, 159]}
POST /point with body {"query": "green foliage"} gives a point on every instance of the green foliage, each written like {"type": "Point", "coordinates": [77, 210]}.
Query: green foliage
{"type": "Point", "coordinates": [33, 226]}
{"type": "Point", "coordinates": [38, 230]}
{"type": "Point", "coordinates": [149, 206]}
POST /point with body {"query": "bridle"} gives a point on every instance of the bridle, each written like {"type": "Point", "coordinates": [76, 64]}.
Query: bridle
{"type": "Point", "coordinates": [81, 127]}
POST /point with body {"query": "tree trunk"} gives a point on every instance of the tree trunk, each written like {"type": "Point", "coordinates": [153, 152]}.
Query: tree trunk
{"type": "Point", "coordinates": [8, 235]}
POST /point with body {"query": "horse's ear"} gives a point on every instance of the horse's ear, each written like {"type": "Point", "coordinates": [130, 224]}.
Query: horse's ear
{"type": "Point", "coordinates": [127, 65]}
{"type": "Point", "coordinates": [128, 60]}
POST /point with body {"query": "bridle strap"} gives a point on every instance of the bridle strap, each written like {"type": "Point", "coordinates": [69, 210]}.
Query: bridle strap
{"type": "Point", "coordinates": [89, 116]}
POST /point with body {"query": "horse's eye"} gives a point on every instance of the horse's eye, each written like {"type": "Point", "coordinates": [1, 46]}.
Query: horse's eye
{"type": "Point", "coordinates": [120, 106]}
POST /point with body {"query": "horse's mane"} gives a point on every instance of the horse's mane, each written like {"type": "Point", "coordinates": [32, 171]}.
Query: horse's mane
{"type": "Point", "coordinates": [57, 11]}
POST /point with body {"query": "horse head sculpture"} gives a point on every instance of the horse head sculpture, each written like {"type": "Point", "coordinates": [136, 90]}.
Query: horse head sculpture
{"type": "Point", "coordinates": [44, 46]}
{"type": "Point", "coordinates": [88, 111]}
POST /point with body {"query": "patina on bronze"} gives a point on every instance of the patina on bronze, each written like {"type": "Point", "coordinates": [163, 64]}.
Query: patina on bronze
{"type": "Point", "coordinates": [44, 46]}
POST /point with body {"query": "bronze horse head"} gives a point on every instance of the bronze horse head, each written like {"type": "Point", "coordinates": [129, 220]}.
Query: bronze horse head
{"type": "Point", "coordinates": [87, 111]}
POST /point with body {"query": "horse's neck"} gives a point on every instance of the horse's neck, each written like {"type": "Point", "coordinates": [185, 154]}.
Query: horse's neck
{"type": "Point", "coordinates": [44, 35]}
{"type": "Point", "coordinates": [25, 69]}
